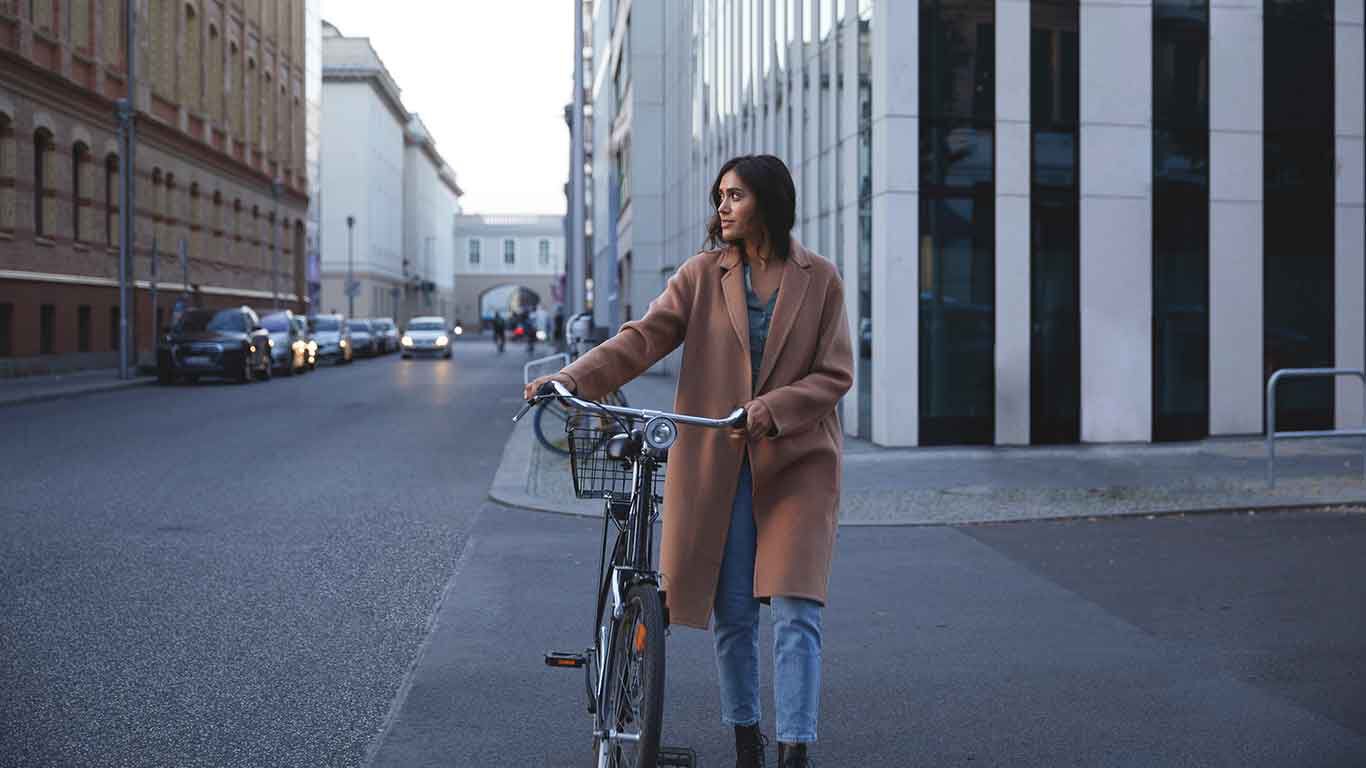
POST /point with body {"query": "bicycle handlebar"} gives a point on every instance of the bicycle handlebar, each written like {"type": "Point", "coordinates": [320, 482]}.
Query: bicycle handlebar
{"type": "Point", "coordinates": [555, 390]}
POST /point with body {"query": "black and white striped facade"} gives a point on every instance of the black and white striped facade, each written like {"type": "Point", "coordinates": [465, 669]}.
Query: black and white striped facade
{"type": "Point", "coordinates": [1057, 220]}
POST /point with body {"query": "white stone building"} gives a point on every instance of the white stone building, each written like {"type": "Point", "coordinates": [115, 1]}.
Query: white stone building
{"type": "Point", "coordinates": [507, 264]}
{"type": "Point", "coordinates": [362, 178]}
{"type": "Point", "coordinates": [431, 200]}
{"type": "Point", "coordinates": [1057, 220]}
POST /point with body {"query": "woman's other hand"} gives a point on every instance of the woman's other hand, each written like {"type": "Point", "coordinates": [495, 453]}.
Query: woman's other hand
{"type": "Point", "coordinates": [535, 386]}
{"type": "Point", "coordinates": [758, 419]}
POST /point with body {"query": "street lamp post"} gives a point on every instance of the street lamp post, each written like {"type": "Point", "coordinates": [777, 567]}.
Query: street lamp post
{"type": "Point", "coordinates": [276, 187]}
{"type": "Point", "coordinates": [350, 281]}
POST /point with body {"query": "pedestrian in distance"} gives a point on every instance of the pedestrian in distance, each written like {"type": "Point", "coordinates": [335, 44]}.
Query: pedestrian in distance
{"type": "Point", "coordinates": [499, 331]}
{"type": "Point", "coordinates": [749, 516]}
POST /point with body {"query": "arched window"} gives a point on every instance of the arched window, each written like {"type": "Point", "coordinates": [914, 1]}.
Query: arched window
{"type": "Point", "coordinates": [112, 44]}
{"type": "Point", "coordinates": [264, 123]}
{"type": "Point", "coordinates": [237, 220]}
{"type": "Point", "coordinates": [193, 222]}
{"type": "Point", "coordinates": [111, 199]}
{"type": "Point", "coordinates": [43, 212]}
{"type": "Point", "coordinates": [235, 100]}
{"type": "Point", "coordinates": [78, 16]}
{"type": "Point", "coordinates": [191, 90]}
{"type": "Point", "coordinates": [214, 91]}
{"type": "Point", "coordinates": [9, 153]}
{"type": "Point", "coordinates": [80, 159]}
{"type": "Point", "coordinates": [170, 207]}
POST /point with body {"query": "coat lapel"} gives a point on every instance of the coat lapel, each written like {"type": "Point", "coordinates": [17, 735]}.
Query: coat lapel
{"type": "Point", "coordinates": [733, 288]}
{"type": "Point", "coordinates": [791, 297]}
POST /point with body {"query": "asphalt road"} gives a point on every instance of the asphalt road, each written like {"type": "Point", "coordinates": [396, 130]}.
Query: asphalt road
{"type": "Point", "coordinates": [307, 573]}
{"type": "Point", "coordinates": [228, 575]}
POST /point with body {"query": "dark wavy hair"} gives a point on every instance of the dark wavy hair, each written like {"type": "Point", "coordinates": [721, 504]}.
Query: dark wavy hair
{"type": "Point", "coordinates": [771, 184]}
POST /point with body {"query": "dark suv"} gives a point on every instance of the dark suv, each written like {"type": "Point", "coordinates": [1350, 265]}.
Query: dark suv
{"type": "Point", "coordinates": [215, 342]}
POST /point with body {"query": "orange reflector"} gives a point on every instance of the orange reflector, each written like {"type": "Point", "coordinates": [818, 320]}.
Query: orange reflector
{"type": "Point", "coordinates": [640, 638]}
{"type": "Point", "coordinates": [565, 662]}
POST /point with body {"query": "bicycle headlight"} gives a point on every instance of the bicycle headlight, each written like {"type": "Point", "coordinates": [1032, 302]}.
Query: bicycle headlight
{"type": "Point", "coordinates": [660, 433]}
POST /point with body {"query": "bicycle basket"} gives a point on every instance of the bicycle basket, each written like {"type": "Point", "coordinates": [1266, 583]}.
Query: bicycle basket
{"type": "Point", "coordinates": [597, 475]}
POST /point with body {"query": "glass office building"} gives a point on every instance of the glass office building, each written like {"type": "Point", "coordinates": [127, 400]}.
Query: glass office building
{"type": "Point", "coordinates": [1057, 221]}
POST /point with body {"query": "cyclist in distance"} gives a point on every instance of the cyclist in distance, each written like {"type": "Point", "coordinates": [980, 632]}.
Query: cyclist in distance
{"type": "Point", "coordinates": [499, 331]}
{"type": "Point", "coordinates": [749, 516]}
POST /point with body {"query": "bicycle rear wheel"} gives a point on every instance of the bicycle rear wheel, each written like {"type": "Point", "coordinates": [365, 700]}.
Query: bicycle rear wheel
{"type": "Point", "coordinates": [635, 680]}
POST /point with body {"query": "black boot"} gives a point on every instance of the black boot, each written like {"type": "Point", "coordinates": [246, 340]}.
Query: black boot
{"type": "Point", "coordinates": [792, 756]}
{"type": "Point", "coordinates": [749, 746]}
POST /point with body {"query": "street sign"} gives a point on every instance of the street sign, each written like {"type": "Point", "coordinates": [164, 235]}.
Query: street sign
{"type": "Point", "coordinates": [353, 288]}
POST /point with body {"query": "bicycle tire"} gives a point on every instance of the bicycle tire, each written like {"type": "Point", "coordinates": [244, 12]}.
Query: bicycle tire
{"type": "Point", "coordinates": [635, 674]}
{"type": "Point", "coordinates": [551, 431]}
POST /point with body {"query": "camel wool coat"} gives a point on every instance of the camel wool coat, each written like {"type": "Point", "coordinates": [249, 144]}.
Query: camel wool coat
{"type": "Point", "coordinates": [807, 367]}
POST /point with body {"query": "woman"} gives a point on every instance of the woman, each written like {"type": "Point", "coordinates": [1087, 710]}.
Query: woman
{"type": "Point", "coordinates": [750, 516]}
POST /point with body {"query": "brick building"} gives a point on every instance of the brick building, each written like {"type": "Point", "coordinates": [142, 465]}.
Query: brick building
{"type": "Point", "coordinates": [220, 92]}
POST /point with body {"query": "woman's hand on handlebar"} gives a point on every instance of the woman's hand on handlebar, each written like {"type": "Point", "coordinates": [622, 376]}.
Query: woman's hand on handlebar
{"type": "Point", "coordinates": [535, 386]}
{"type": "Point", "coordinates": [758, 421]}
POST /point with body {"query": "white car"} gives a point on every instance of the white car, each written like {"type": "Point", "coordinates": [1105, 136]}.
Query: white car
{"type": "Point", "coordinates": [426, 336]}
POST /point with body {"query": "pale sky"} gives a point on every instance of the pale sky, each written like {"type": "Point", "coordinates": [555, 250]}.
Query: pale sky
{"type": "Point", "coordinates": [490, 79]}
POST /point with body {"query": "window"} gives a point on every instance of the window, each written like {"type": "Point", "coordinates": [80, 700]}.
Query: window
{"type": "Point", "coordinates": [509, 251]}
{"type": "Point", "coordinates": [1180, 348]}
{"type": "Point", "coordinates": [111, 200]}
{"type": "Point", "coordinates": [1299, 207]}
{"type": "Point", "coordinates": [543, 255]}
{"type": "Point", "coordinates": [957, 222]}
{"type": "Point", "coordinates": [474, 250]}
{"type": "Point", "coordinates": [6, 329]}
{"type": "Point", "coordinates": [83, 328]}
{"type": "Point", "coordinates": [8, 164]}
{"type": "Point", "coordinates": [47, 329]}
{"type": "Point", "coordinates": [114, 328]}
{"type": "Point", "coordinates": [42, 166]}
{"type": "Point", "coordinates": [80, 157]}
{"type": "Point", "coordinates": [1055, 226]}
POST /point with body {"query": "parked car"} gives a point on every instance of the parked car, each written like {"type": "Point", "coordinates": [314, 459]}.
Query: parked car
{"type": "Point", "coordinates": [215, 342]}
{"type": "Point", "coordinates": [310, 343]}
{"type": "Point", "coordinates": [387, 331]}
{"type": "Point", "coordinates": [333, 335]}
{"type": "Point", "coordinates": [362, 337]}
{"type": "Point", "coordinates": [288, 347]}
{"type": "Point", "coordinates": [426, 336]}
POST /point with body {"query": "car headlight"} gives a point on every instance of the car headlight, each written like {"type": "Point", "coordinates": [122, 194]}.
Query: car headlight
{"type": "Point", "coordinates": [459, 330]}
{"type": "Point", "coordinates": [442, 341]}
{"type": "Point", "coordinates": [341, 343]}
{"type": "Point", "coordinates": [407, 341]}
{"type": "Point", "coordinates": [540, 335]}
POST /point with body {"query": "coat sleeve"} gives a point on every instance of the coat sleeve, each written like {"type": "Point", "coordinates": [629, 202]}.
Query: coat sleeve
{"type": "Point", "coordinates": [804, 402]}
{"type": "Point", "coordinates": [640, 343]}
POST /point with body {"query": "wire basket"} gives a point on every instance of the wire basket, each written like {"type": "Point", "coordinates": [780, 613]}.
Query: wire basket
{"type": "Point", "coordinates": [597, 475]}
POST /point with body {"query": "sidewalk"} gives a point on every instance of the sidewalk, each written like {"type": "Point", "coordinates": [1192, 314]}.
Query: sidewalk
{"type": "Point", "coordinates": [32, 389]}
{"type": "Point", "coordinates": [933, 486]}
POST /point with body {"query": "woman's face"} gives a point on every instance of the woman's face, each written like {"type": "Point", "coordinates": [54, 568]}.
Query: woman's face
{"type": "Point", "coordinates": [738, 211]}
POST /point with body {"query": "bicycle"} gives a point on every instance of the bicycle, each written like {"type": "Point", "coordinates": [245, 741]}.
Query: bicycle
{"type": "Point", "coordinates": [617, 454]}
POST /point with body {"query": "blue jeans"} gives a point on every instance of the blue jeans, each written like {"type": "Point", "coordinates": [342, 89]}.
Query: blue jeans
{"type": "Point", "coordinates": [796, 636]}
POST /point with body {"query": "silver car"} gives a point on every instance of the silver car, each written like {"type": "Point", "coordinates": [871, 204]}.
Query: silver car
{"type": "Point", "coordinates": [427, 336]}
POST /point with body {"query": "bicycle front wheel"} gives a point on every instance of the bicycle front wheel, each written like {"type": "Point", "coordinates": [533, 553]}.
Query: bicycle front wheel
{"type": "Point", "coordinates": [635, 679]}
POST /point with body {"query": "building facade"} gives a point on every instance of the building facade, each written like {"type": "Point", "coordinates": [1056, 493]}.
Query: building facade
{"type": "Point", "coordinates": [507, 264]}
{"type": "Point", "coordinates": [362, 169]}
{"type": "Point", "coordinates": [1058, 221]}
{"type": "Point", "coordinates": [431, 200]}
{"type": "Point", "coordinates": [313, 147]}
{"type": "Point", "coordinates": [220, 173]}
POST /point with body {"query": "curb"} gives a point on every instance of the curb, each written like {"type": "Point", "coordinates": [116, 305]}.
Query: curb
{"type": "Point", "coordinates": [512, 483]}
{"type": "Point", "coordinates": [62, 394]}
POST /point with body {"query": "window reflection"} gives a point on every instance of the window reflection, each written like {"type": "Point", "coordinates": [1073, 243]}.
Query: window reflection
{"type": "Point", "coordinates": [957, 221]}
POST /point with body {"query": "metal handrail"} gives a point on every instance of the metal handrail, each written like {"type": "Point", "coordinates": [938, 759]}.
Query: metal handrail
{"type": "Point", "coordinates": [1272, 434]}
{"type": "Point", "coordinates": [561, 357]}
